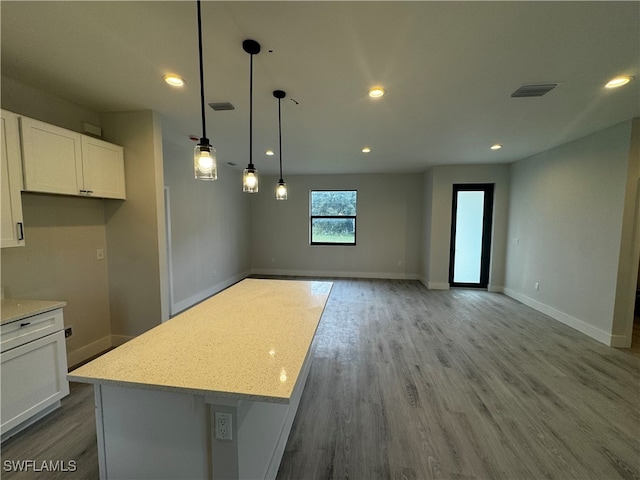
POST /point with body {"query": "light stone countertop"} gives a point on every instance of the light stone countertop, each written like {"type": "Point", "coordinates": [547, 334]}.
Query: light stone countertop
{"type": "Point", "coordinates": [247, 342]}
{"type": "Point", "coordinates": [13, 309]}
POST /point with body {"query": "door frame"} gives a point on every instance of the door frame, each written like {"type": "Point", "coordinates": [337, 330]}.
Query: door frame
{"type": "Point", "coordinates": [487, 221]}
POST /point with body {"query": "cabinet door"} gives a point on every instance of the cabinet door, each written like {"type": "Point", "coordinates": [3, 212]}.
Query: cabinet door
{"type": "Point", "coordinates": [102, 168]}
{"type": "Point", "coordinates": [11, 229]}
{"type": "Point", "coordinates": [33, 378]}
{"type": "Point", "coordinates": [52, 158]}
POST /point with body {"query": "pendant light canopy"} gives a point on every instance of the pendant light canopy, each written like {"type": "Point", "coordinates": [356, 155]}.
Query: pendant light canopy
{"type": "Point", "coordinates": [281, 188]}
{"type": "Point", "coordinates": [250, 174]}
{"type": "Point", "coordinates": [204, 155]}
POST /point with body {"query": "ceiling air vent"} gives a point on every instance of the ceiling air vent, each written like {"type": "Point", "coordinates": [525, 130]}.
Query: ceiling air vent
{"type": "Point", "coordinates": [533, 90]}
{"type": "Point", "coordinates": [220, 106]}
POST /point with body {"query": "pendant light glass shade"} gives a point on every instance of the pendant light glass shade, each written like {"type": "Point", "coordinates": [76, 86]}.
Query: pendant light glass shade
{"type": "Point", "coordinates": [250, 174]}
{"type": "Point", "coordinates": [250, 179]}
{"type": "Point", "coordinates": [205, 166]}
{"type": "Point", "coordinates": [204, 161]}
{"type": "Point", "coordinates": [281, 190]}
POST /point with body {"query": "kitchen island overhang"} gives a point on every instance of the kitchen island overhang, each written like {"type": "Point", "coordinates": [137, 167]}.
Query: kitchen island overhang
{"type": "Point", "coordinates": [245, 351]}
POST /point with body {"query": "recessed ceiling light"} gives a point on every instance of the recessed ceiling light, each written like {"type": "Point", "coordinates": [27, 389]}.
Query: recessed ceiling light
{"type": "Point", "coordinates": [269, 152]}
{"type": "Point", "coordinates": [366, 150]}
{"type": "Point", "coordinates": [495, 146]}
{"type": "Point", "coordinates": [174, 80]}
{"type": "Point", "coordinates": [618, 81]}
{"type": "Point", "coordinates": [376, 92]}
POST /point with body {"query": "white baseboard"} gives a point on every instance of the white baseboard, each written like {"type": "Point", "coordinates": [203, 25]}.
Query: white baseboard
{"type": "Point", "coordinates": [94, 348]}
{"type": "Point", "coordinates": [438, 286]}
{"type": "Point", "coordinates": [337, 274]}
{"type": "Point", "coordinates": [178, 307]}
{"type": "Point", "coordinates": [495, 289]}
{"type": "Point", "coordinates": [562, 317]}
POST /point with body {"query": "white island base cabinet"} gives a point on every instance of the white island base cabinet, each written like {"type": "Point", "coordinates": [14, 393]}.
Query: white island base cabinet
{"type": "Point", "coordinates": [158, 434]}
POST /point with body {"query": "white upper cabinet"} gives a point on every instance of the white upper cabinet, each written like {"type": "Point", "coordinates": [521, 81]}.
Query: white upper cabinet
{"type": "Point", "coordinates": [11, 229]}
{"type": "Point", "coordinates": [57, 160]}
{"type": "Point", "coordinates": [102, 168]}
{"type": "Point", "coordinates": [52, 158]}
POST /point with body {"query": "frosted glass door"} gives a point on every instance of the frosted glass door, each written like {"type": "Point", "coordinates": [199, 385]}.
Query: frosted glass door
{"type": "Point", "coordinates": [468, 241]}
{"type": "Point", "coordinates": [471, 216]}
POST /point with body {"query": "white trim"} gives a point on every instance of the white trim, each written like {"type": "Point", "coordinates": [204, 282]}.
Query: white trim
{"type": "Point", "coordinates": [495, 289]}
{"type": "Point", "coordinates": [438, 286]}
{"type": "Point", "coordinates": [620, 341]}
{"type": "Point", "coordinates": [94, 348]}
{"type": "Point", "coordinates": [102, 459]}
{"type": "Point", "coordinates": [198, 297]}
{"type": "Point", "coordinates": [336, 273]}
{"type": "Point", "coordinates": [167, 221]}
{"type": "Point", "coordinates": [562, 317]}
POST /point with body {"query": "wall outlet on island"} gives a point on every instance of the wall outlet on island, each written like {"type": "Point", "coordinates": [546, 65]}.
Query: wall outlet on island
{"type": "Point", "coordinates": [68, 332]}
{"type": "Point", "coordinates": [223, 426]}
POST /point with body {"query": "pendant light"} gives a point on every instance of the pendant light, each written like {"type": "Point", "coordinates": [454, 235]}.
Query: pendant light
{"type": "Point", "coordinates": [250, 174]}
{"type": "Point", "coordinates": [204, 155]}
{"type": "Point", "coordinates": [281, 188]}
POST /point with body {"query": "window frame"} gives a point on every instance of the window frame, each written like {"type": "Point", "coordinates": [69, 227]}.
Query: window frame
{"type": "Point", "coordinates": [337, 217]}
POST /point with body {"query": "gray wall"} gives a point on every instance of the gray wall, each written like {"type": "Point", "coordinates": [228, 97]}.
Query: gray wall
{"type": "Point", "coordinates": [438, 193]}
{"type": "Point", "coordinates": [136, 250]}
{"type": "Point", "coordinates": [389, 228]}
{"type": "Point", "coordinates": [566, 210]}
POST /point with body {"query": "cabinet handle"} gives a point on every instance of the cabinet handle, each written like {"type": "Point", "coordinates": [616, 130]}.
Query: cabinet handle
{"type": "Point", "coordinates": [25, 324]}
{"type": "Point", "coordinates": [20, 227]}
{"type": "Point", "coordinates": [86, 192]}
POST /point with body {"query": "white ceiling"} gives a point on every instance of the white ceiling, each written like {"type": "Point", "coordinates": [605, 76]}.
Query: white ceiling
{"type": "Point", "coordinates": [449, 69]}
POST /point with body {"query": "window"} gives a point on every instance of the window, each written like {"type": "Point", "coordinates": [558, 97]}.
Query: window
{"type": "Point", "coordinates": [333, 217]}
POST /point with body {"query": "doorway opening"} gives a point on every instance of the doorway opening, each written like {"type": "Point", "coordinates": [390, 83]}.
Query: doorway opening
{"type": "Point", "coordinates": [470, 250]}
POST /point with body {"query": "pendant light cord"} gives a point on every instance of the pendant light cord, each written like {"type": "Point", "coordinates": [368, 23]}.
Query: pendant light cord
{"type": "Point", "coordinates": [251, 112]}
{"type": "Point", "coordinates": [204, 128]}
{"type": "Point", "coordinates": [280, 136]}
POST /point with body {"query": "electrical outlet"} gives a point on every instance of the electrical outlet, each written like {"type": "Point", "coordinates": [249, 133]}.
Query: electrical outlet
{"type": "Point", "coordinates": [223, 426]}
{"type": "Point", "coordinates": [537, 286]}
{"type": "Point", "coordinates": [68, 332]}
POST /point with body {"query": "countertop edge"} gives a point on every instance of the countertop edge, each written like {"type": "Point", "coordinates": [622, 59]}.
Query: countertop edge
{"type": "Point", "coordinates": [30, 312]}
{"type": "Point", "coordinates": [185, 390]}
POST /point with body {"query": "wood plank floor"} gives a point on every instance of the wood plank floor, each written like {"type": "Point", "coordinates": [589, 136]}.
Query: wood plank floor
{"type": "Point", "coordinates": [408, 383]}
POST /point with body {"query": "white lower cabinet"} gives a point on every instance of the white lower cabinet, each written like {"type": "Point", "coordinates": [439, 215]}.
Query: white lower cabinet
{"type": "Point", "coordinates": [34, 369]}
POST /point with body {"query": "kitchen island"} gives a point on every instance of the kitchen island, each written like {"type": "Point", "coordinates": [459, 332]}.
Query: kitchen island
{"type": "Point", "coordinates": [211, 393]}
